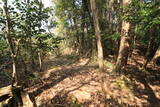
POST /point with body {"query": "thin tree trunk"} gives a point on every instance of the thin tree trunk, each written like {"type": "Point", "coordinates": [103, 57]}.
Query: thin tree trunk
{"type": "Point", "coordinates": [149, 49]}
{"type": "Point", "coordinates": [155, 59]}
{"type": "Point", "coordinates": [10, 43]}
{"type": "Point", "coordinates": [39, 51]}
{"type": "Point", "coordinates": [157, 54]}
{"type": "Point", "coordinates": [118, 28]}
{"type": "Point", "coordinates": [29, 33]}
{"type": "Point", "coordinates": [82, 35]}
{"type": "Point", "coordinates": [93, 41]}
{"type": "Point", "coordinates": [132, 39]}
{"type": "Point", "coordinates": [76, 28]}
{"type": "Point", "coordinates": [110, 13]}
{"type": "Point", "coordinates": [31, 53]}
{"type": "Point", "coordinates": [40, 61]}
{"type": "Point", "coordinates": [98, 34]}
{"type": "Point", "coordinates": [14, 73]}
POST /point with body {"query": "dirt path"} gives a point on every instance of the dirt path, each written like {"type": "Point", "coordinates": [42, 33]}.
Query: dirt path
{"type": "Point", "coordinates": [65, 81]}
{"type": "Point", "coordinates": [74, 83]}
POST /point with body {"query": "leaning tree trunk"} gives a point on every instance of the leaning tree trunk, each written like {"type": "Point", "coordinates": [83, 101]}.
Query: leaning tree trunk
{"type": "Point", "coordinates": [157, 54]}
{"type": "Point", "coordinates": [10, 43]}
{"type": "Point", "coordinates": [150, 45]}
{"type": "Point", "coordinates": [14, 97]}
{"type": "Point", "coordinates": [156, 58]}
{"type": "Point", "coordinates": [98, 34]}
{"type": "Point", "coordinates": [124, 43]}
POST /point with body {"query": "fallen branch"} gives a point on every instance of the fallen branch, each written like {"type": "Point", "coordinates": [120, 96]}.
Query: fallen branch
{"type": "Point", "coordinates": [14, 95]}
{"type": "Point", "coordinates": [6, 90]}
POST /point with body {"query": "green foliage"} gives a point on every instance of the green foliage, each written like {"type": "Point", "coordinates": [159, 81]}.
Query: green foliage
{"type": "Point", "coordinates": [115, 36]}
{"type": "Point", "coordinates": [3, 44]}
{"type": "Point", "coordinates": [108, 64]}
{"type": "Point", "coordinates": [149, 16]}
{"type": "Point", "coordinates": [146, 15]}
{"type": "Point", "coordinates": [74, 103]}
{"type": "Point", "coordinates": [29, 22]}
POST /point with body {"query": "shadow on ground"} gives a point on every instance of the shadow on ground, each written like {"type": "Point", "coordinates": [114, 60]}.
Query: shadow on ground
{"type": "Point", "coordinates": [56, 77]}
{"type": "Point", "coordinates": [71, 77]}
{"type": "Point", "coordinates": [146, 85]}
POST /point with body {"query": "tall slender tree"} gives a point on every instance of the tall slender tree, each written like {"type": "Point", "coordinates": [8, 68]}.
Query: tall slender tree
{"type": "Point", "coordinates": [10, 42]}
{"type": "Point", "coordinates": [97, 34]}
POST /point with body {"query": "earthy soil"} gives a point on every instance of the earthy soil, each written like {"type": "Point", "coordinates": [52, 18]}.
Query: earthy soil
{"type": "Point", "coordinates": [68, 81]}
{"type": "Point", "coordinates": [77, 83]}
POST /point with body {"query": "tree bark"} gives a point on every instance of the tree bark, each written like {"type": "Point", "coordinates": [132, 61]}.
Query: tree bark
{"type": "Point", "coordinates": [98, 34]}
{"type": "Point", "coordinates": [150, 45]}
{"type": "Point", "coordinates": [83, 27]}
{"type": "Point", "coordinates": [124, 43]}
{"type": "Point", "coordinates": [40, 41]}
{"type": "Point", "coordinates": [14, 97]}
{"type": "Point", "coordinates": [10, 43]}
{"type": "Point", "coordinates": [29, 34]}
{"type": "Point", "coordinates": [110, 15]}
{"type": "Point", "coordinates": [32, 54]}
{"type": "Point", "coordinates": [157, 54]}
{"type": "Point", "coordinates": [93, 41]}
{"type": "Point", "coordinates": [40, 61]}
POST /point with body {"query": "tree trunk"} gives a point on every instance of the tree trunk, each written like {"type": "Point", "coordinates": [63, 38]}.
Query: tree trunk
{"type": "Point", "coordinates": [40, 41]}
{"type": "Point", "coordinates": [118, 9]}
{"type": "Point", "coordinates": [83, 27]}
{"type": "Point", "coordinates": [147, 55]}
{"type": "Point", "coordinates": [14, 72]}
{"type": "Point", "coordinates": [98, 34]}
{"type": "Point", "coordinates": [156, 58]}
{"type": "Point", "coordinates": [133, 39]}
{"type": "Point", "coordinates": [157, 54]}
{"type": "Point", "coordinates": [24, 65]}
{"type": "Point", "coordinates": [110, 15]}
{"type": "Point", "coordinates": [32, 54]}
{"type": "Point", "coordinates": [10, 43]}
{"type": "Point", "coordinates": [29, 34]}
{"type": "Point", "coordinates": [40, 61]}
{"type": "Point", "coordinates": [124, 43]}
{"type": "Point", "coordinates": [93, 41]}
{"type": "Point", "coordinates": [123, 54]}
{"type": "Point", "coordinates": [150, 45]}
{"type": "Point", "coordinates": [14, 97]}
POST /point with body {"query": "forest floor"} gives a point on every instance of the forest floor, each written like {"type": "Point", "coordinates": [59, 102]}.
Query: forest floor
{"type": "Point", "coordinates": [68, 81]}
{"type": "Point", "coordinates": [75, 83]}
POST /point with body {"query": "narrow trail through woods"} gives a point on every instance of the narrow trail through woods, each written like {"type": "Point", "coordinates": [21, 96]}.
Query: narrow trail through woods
{"type": "Point", "coordinates": [71, 80]}
{"type": "Point", "coordinates": [65, 80]}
